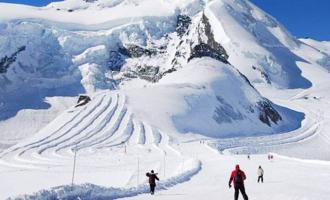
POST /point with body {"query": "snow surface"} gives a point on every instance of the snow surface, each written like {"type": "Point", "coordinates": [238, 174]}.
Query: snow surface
{"type": "Point", "coordinates": [189, 98]}
{"type": "Point", "coordinates": [191, 125]}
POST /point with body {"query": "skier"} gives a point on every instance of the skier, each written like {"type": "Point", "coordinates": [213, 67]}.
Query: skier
{"type": "Point", "coordinates": [260, 173]}
{"type": "Point", "coordinates": [238, 177]}
{"type": "Point", "coordinates": [152, 181]}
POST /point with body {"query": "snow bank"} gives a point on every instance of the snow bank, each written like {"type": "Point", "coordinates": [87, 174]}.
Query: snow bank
{"type": "Point", "coordinates": [90, 191]}
{"type": "Point", "coordinates": [307, 161]}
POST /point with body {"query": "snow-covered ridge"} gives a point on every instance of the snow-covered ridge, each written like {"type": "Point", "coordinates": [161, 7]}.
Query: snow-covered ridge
{"type": "Point", "coordinates": [323, 46]}
{"type": "Point", "coordinates": [89, 13]}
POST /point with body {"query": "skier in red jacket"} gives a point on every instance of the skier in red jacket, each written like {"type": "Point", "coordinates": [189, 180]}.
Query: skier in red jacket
{"type": "Point", "coordinates": [238, 177]}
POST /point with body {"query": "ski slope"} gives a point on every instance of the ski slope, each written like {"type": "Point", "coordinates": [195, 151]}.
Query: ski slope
{"type": "Point", "coordinates": [115, 149]}
{"type": "Point", "coordinates": [104, 127]}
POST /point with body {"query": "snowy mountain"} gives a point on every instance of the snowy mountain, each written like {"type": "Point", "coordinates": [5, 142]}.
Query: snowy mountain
{"type": "Point", "coordinates": [161, 75]}
{"type": "Point", "coordinates": [88, 47]}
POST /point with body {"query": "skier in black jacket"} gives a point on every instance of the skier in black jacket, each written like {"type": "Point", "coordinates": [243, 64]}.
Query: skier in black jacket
{"type": "Point", "coordinates": [152, 181]}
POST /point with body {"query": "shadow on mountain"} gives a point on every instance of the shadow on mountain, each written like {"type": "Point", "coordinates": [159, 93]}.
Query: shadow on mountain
{"type": "Point", "coordinates": [33, 98]}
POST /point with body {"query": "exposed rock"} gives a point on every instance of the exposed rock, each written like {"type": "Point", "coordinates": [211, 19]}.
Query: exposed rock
{"type": "Point", "coordinates": [196, 41]}
{"type": "Point", "coordinates": [168, 71]}
{"type": "Point", "coordinates": [202, 50]}
{"type": "Point", "coordinates": [149, 73]}
{"type": "Point", "coordinates": [83, 100]}
{"type": "Point", "coordinates": [182, 25]}
{"type": "Point", "coordinates": [245, 78]}
{"type": "Point", "coordinates": [207, 46]}
{"type": "Point", "coordinates": [6, 61]}
{"type": "Point", "coordinates": [193, 41]}
{"type": "Point", "coordinates": [135, 51]}
{"type": "Point", "coordinates": [268, 113]}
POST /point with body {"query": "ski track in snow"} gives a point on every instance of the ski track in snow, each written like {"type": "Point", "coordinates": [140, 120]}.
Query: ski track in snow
{"type": "Point", "coordinates": [107, 124]}
{"type": "Point", "coordinates": [103, 124]}
{"type": "Point", "coordinates": [310, 128]}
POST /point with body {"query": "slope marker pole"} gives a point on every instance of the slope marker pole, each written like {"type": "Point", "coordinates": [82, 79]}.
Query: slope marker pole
{"type": "Point", "coordinates": [138, 172]}
{"type": "Point", "coordinates": [164, 164]}
{"type": "Point", "coordinates": [74, 165]}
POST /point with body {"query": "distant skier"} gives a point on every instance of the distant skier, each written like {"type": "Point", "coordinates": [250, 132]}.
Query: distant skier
{"type": "Point", "coordinates": [152, 181]}
{"type": "Point", "coordinates": [270, 157]}
{"type": "Point", "coordinates": [238, 177]}
{"type": "Point", "coordinates": [260, 173]}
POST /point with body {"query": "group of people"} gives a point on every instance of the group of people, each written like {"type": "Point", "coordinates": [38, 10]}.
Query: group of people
{"type": "Point", "coordinates": [270, 157]}
{"type": "Point", "coordinates": [237, 177]}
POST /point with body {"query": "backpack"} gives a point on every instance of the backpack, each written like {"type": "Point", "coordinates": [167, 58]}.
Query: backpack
{"type": "Point", "coordinates": [238, 178]}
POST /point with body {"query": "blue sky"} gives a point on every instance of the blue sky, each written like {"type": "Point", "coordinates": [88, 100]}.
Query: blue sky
{"type": "Point", "coordinates": [304, 18]}
{"type": "Point", "coordinates": [30, 2]}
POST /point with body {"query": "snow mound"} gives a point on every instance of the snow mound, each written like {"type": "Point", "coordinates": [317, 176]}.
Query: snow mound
{"type": "Point", "coordinates": [197, 99]}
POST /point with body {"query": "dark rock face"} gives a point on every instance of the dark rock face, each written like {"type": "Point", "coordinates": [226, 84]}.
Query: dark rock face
{"type": "Point", "coordinates": [203, 50]}
{"type": "Point", "coordinates": [268, 113]}
{"type": "Point", "coordinates": [197, 41]}
{"type": "Point", "coordinates": [194, 41]}
{"type": "Point", "coordinates": [83, 100]}
{"type": "Point", "coordinates": [135, 51]}
{"type": "Point", "coordinates": [183, 23]}
{"type": "Point", "coordinates": [210, 47]}
{"type": "Point", "coordinates": [169, 71]}
{"type": "Point", "coordinates": [149, 73]}
{"type": "Point", "coordinates": [142, 70]}
{"type": "Point", "coordinates": [6, 61]}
